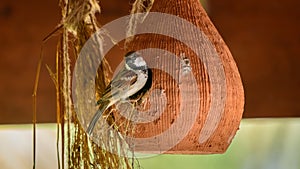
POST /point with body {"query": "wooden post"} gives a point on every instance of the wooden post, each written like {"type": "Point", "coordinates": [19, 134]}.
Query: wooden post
{"type": "Point", "coordinates": [219, 115]}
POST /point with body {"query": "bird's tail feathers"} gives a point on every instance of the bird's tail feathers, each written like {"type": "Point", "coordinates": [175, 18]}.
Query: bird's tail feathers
{"type": "Point", "coordinates": [96, 117]}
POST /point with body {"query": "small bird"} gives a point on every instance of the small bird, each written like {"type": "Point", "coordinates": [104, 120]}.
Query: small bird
{"type": "Point", "coordinates": [132, 82]}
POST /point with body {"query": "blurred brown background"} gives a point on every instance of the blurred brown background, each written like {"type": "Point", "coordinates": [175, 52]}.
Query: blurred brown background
{"type": "Point", "coordinates": [263, 36]}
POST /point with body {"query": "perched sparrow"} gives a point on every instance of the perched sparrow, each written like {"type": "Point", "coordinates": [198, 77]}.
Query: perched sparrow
{"type": "Point", "coordinates": [132, 81]}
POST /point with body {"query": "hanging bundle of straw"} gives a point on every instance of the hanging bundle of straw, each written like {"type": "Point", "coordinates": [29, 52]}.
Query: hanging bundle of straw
{"type": "Point", "coordinates": [77, 25]}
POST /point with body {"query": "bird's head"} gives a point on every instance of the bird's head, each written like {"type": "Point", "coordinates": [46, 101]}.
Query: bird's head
{"type": "Point", "coordinates": [134, 61]}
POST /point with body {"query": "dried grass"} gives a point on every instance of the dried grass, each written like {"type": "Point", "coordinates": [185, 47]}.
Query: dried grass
{"type": "Point", "coordinates": [77, 25]}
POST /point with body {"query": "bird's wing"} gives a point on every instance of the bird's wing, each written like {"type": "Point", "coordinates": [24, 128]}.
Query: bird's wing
{"type": "Point", "coordinates": [120, 83]}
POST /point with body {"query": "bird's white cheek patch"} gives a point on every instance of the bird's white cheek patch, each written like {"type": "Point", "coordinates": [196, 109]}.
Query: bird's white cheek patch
{"type": "Point", "coordinates": [139, 61]}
